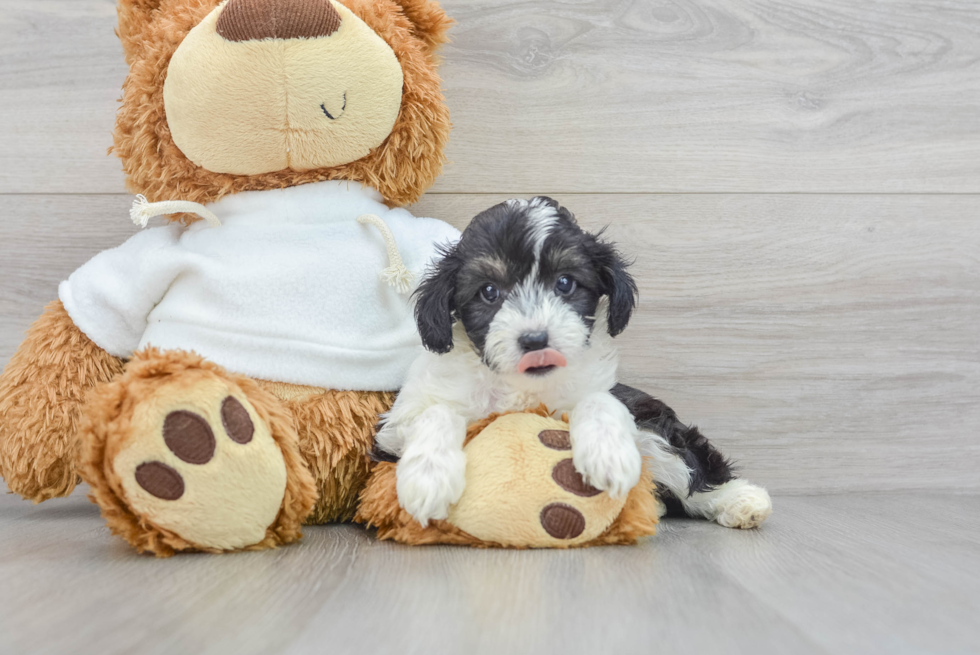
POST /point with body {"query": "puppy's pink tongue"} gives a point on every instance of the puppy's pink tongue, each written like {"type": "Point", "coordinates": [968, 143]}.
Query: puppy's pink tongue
{"type": "Point", "coordinates": [539, 358]}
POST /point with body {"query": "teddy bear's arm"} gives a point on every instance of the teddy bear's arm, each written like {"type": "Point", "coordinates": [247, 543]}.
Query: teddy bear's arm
{"type": "Point", "coordinates": [77, 343]}
{"type": "Point", "coordinates": [41, 394]}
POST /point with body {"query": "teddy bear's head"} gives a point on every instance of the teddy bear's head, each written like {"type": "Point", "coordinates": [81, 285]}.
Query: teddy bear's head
{"type": "Point", "coordinates": [245, 95]}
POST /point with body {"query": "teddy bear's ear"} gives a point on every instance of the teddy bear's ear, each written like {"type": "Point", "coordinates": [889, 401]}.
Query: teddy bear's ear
{"type": "Point", "coordinates": [134, 17]}
{"type": "Point", "coordinates": [429, 22]}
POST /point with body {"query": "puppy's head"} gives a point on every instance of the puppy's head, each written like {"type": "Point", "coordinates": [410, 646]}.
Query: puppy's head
{"type": "Point", "coordinates": [525, 281]}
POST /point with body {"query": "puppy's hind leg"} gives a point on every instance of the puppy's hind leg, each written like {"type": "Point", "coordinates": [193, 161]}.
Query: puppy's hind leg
{"type": "Point", "coordinates": [735, 504]}
{"type": "Point", "coordinates": [690, 472]}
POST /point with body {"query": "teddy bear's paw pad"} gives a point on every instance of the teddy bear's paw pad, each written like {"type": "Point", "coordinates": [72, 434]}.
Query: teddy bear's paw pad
{"type": "Point", "coordinates": [238, 424]}
{"type": "Point", "coordinates": [160, 480]}
{"type": "Point", "coordinates": [201, 463]}
{"type": "Point", "coordinates": [556, 439]}
{"type": "Point", "coordinates": [189, 437]}
{"type": "Point", "coordinates": [565, 475]}
{"type": "Point", "coordinates": [562, 521]}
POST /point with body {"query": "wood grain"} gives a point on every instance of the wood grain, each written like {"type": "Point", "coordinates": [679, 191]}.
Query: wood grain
{"type": "Point", "coordinates": [827, 343]}
{"type": "Point", "coordinates": [600, 96]}
{"type": "Point", "coordinates": [62, 70]}
{"type": "Point", "coordinates": [895, 573]}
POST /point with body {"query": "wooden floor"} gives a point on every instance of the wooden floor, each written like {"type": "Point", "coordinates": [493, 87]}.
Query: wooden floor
{"type": "Point", "coordinates": [879, 573]}
{"type": "Point", "coordinates": [799, 183]}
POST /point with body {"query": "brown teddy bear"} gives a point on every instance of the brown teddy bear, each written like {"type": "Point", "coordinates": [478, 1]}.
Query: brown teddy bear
{"type": "Point", "coordinates": [217, 381]}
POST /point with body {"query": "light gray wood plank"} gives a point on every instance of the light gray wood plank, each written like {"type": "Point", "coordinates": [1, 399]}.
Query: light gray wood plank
{"type": "Point", "coordinates": [61, 70]}
{"type": "Point", "coordinates": [715, 95]}
{"type": "Point", "coordinates": [883, 573]}
{"type": "Point", "coordinates": [612, 95]}
{"type": "Point", "coordinates": [42, 240]}
{"type": "Point", "coordinates": [827, 343]}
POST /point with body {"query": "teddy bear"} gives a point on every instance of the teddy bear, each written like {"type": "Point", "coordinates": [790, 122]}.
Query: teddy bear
{"type": "Point", "coordinates": [216, 380]}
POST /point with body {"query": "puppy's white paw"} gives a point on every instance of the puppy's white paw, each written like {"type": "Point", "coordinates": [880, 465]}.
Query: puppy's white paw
{"type": "Point", "coordinates": [430, 482]}
{"type": "Point", "coordinates": [742, 505]}
{"type": "Point", "coordinates": [607, 459]}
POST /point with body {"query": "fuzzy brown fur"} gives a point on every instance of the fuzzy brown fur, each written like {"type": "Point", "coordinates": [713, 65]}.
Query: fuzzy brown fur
{"type": "Point", "coordinates": [105, 431]}
{"type": "Point", "coordinates": [41, 395]}
{"type": "Point", "coordinates": [402, 168]}
{"type": "Point", "coordinates": [336, 432]}
{"type": "Point", "coordinates": [379, 509]}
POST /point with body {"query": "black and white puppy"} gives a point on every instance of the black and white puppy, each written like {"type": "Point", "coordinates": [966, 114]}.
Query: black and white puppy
{"type": "Point", "coordinates": [522, 311]}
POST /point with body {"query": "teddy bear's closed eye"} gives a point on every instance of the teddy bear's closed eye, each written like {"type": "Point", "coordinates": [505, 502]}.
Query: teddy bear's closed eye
{"type": "Point", "coordinates": [330, 114]}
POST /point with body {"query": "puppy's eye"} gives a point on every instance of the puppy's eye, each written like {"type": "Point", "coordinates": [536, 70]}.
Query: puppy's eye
{"type": "Point", "coordinates": [565, 285]}
{"type": "Point", "coordinates": [489, 293]}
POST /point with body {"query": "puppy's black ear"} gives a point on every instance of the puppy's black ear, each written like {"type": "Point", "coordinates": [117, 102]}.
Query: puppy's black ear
{"type": "Point", "coordinates": [435, 304]}
{"type": "Point", "coordinates": [616, 283]}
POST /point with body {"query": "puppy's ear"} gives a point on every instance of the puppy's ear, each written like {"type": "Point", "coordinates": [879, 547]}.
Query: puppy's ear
{"type": "Point", "coordinates": [435, 304]}
{"type": "Point", "coordinates": [616, 283]}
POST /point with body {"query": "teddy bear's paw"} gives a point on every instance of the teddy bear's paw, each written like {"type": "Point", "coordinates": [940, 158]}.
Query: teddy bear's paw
{"type": "Point", "coordinates": [430, 482]}
{"type": "Point", "coordinates": [523, 489]}
{"type": "Point", "coordinates": [742, 505]}
{"type": "Point", "coordinates": [202, 464]}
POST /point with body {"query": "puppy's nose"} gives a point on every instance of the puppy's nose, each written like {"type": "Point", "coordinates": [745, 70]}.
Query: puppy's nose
{"type": "Point", "coordinates": [255, 20]}
{"type": "Point", "coordinates": [533, 341]}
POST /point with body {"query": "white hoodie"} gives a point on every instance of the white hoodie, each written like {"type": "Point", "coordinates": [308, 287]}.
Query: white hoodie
{"type": "Point", "coordinates": [287, 289]}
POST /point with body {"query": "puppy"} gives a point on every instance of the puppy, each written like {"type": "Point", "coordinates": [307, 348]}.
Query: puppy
{"type": "Point", "coordinates": [522, 311]}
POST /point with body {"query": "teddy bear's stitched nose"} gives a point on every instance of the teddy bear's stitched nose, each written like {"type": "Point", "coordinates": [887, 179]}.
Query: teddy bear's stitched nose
{"type": "Point", "coordinates": [254, 20]}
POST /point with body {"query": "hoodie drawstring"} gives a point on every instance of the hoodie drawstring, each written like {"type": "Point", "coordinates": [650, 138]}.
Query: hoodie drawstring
{"type": "Point", "coordinates": [397, 274]}
{"type": "Point", "coordinates": [142, 210]}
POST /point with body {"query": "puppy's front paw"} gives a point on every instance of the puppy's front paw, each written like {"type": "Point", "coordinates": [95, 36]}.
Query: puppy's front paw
{"type": "Point", "coordinates": [607, 458]}
{"type": "Point", "coordinates": [429, 483]}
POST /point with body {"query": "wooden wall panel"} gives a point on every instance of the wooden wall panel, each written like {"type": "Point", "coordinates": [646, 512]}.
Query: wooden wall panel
{"type": "Point", "coordinates": [828, 343]}
{"type": "Point", "coordinates": [600, 96]}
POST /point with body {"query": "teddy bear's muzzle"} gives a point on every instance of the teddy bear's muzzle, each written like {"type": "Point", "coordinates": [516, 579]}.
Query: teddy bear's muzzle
{"type": "Point", "coordinates": [308, 83]}
{"type": "Point", "coordinates": [255, 20]}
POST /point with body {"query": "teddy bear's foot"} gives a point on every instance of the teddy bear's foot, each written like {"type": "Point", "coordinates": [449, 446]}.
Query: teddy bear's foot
{"type": "Point", "coordinates": [183, 456]}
